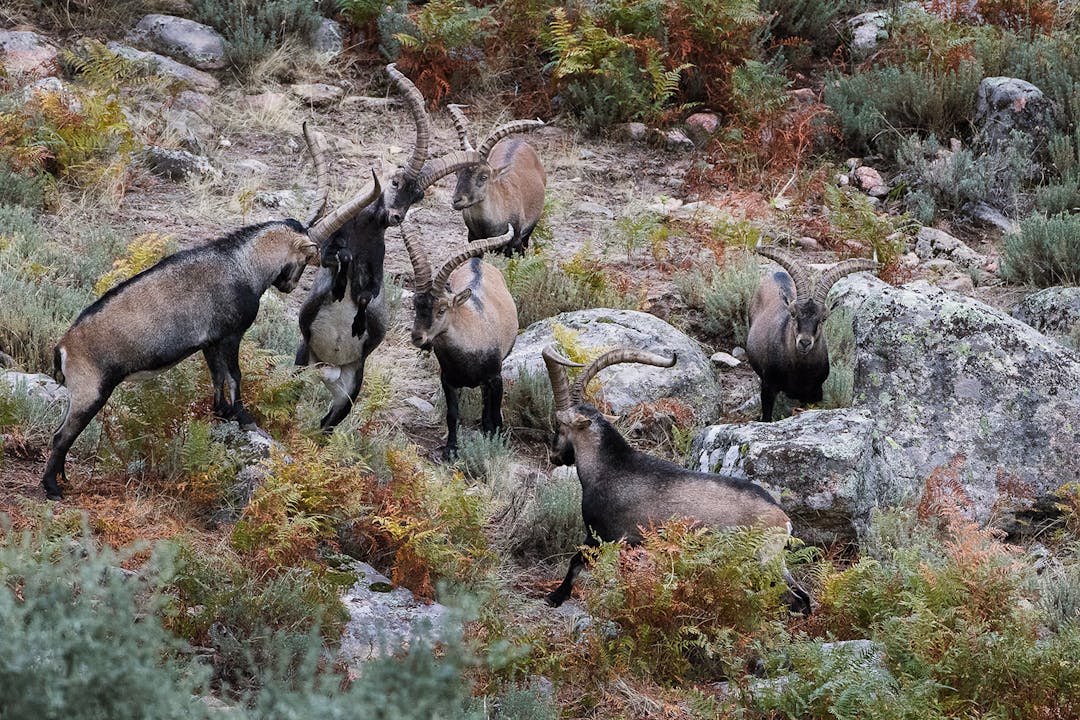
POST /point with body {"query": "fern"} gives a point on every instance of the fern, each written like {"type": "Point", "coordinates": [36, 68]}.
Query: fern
{"type": "Point", "coordinates": [143, 252]}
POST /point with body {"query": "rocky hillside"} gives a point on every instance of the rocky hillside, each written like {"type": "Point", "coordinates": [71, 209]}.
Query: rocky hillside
{"type": "Point", "coordinates": [276, 571]}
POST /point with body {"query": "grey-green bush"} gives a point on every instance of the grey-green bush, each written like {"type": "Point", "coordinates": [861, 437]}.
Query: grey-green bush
{"type": "Point", "coordinates": [254, 28]}
{"type": "Point", "coordinates": [723, 296]}
{"type": "Point", "coordinates": [1045, 251]}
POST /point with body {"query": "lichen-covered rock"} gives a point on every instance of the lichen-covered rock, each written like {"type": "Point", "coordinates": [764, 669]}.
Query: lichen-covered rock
{"type": "Point", "coordinates": [177, 165]}
{"type": "Point", "coordinates": [867, 30]}
{"type": "Point", "coordinates": [192, 43]}
{"type": "Point", "coordinates": [691, 380]}
{"type": "Point", "coordinates": [329, 39]}
{"type": "Point", "coordinates": [1004, 105]}
{"type": "Point", "coordinates": [316, 94]}
{"type": "Point", "coordinates": [1054, 311]}
{"type": "Point", "coordinates": [942, 382]}
{"type": "Point", "coordinates": [42, 387]}
{"type": "Point", "coordinates": [161, 65]}
{"type": "Point", "coordinates": [25, 54]}
{"type": "Point", "coordinates": [934, 243]}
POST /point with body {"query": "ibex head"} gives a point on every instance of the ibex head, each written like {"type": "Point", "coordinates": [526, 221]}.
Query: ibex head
{"type": "Point", "coordinates": [472, 182]}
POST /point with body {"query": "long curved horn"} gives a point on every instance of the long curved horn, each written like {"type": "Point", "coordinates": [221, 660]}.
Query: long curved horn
{"type": "Point", "coordinates": [318, 157]}
{"type": "Point", "coordinates": [345, 212]}
{"type": "Point", "coordinates": [837, 271]}
{"type": "Point", "coordinates": [415, 101]}
{"type": "Point", "coordinates": [556, 368]}
{"type": "Point", "coordinates": [794, 268]}
{"type": "Point", "coordinates": [451, 162]}
{"type": "Point", "coordinates": [420, 262]}
{"type": "Point", "coordinates": [475, 249]}
{"type": "Point", "coordinates": [518, 126]}
{"type": "Point", "coordinates": [613, 357]}
{"type": "Point", "coordinates": [462, 124]}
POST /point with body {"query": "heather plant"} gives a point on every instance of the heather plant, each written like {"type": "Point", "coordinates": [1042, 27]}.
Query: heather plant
{"type": "Point", "coordinates": [688, 602]}
{"type": "Point", "coordinates": [1045, 251]}
{"type": "Point", "coordinates": [853, 218]}
{"type": "Point", "coordinates": [807, 28]}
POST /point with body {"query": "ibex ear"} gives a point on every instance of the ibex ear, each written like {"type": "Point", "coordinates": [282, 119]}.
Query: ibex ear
{"type": "Point", "coordinates": [496, 172]}
{"type": "Point", "coordinates": [573, 419]}
{"type": "Point", "coordinates": [461, 297]}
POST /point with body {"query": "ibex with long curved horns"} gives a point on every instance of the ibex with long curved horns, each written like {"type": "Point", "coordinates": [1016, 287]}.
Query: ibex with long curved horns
{"type": "Point", "coordinates": [467, 316]}
{"type": "Point", "coordinates": [203, 298]}
{"type": "Point", "coordinates": [786, 343]}
{"type": "Point", "coordinates": [343, 318]}
{"type": "Point", "coordinates": [624, 490]}
{"type": "Point", "coordinates": [506, 188]}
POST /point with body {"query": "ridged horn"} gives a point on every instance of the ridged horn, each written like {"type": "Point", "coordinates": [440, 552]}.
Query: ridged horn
{"type": "Point", "coordinates": [475, 249]}
{"type": "Point", "coordinates": [462, 124]}
{"type": "Point", "coordinates": [837, 271]}
{"type": "Point", "coordinates": [794, 268]}
{"type": "Point", "coordinates": [451, 162]}
{"type": "Point", "coordinates": [556, 368]}
{"type": "Point", "coordinates": [420, 262]}
{"type": "Point", "coordinates": [613, 357]}
{"type": "Point", "coordinates": [517, 126]}
{"type": "Point", "coordinates": [415, 102]}
{"type": "Point", "coordinates": [318, 157]}
{"type": "Point", "coordinates": [345, 212]}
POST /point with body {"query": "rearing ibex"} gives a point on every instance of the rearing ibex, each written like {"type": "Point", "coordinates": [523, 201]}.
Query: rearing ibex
{"type": "Point", "coordinates": [467, 316]}
{"type": "Point", "coordinates": [786, 343]}
{"type": "Point", "coordinates": [343, 318]}
{"type": "Point", "coordinates": [624, 490]}
{"type": "Point", "coordinates": [505, 188]}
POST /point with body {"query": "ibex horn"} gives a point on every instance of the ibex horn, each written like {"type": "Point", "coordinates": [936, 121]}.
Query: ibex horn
{"type": "Point", "coordinates": [419, 259]}
{"type": "Point", "coordinates": [435, 170]}
{"type": "Point", "coordinates": [318, 207]}
{"type": "Point", "coordinates": [794, 268]}
{"type": "Point", "coordinates": [330, 224]}
{"type": "Point", "coordinates": [462, 125]}
{"type": "Point", "coordinates": [475, 249]}
{"type": "Point", "coordinates": [556, 368]}
{"type": "Point", "coordinates": [837, 271]}
{"type": "Point", "coordinates": [517, 126]}
{"type": "Point", "coordinates": [612, 357]}
{"type": "Point", "coordinates": [415, 102]}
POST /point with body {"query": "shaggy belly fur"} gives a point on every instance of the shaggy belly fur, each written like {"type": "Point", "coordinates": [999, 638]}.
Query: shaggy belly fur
{"type": "Point", "coordinates": [332, 341]}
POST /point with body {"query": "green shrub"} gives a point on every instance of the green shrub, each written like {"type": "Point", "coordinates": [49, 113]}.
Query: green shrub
{"type": "Point", "coordinates": [853, 218]}
{"type": "Point", "coordinates": [82, 640]}
{"type": "Point", "coordinates": [723, 296]}
{"type": "Point", "coordinates": [840, 339]}
{"type": "Point", "coordinates": [253, 29]}
{"type": "Point", "coordinates": [485, 458]}
{"type": "Point", "coordinates": [814, 22]}
{"type": "Point", "coordinates": [547, 521]}
{"type": "Point", "coordinates": [1045, 251]}
{"type": "Point", "coordinates": [528, 403]}
{"type": "Point", "coordinates": [20, 188]}
{"type": "Point", "coordinates": [688, 602]}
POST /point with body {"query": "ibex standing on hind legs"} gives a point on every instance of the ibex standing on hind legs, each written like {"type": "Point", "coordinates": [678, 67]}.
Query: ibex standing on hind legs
{"type": "Point", "coordinates": [467, 316]}
{"type": "Point", "coordinates": [624, 490]}
{"type": "Point", "coordinates": [343, 318]}
{"type": "Point", "coordinates": [505, 188]}
{"type": "Point", "coordinates": [786, 343]}
{"type": "Point", "coordinates": [203, 298]}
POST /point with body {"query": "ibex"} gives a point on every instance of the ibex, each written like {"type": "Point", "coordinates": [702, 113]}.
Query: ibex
{"type": "Point", "coordinates": [343, 318]}
{"type": "Point", "coordinates": [786, 343]}
{"type": "Point", "coordinates": [467, 316]}
{"type": "Point", "coordinates": [624, 490]}
{"type": "Point", "coordinates": [203, 298]}
{"type": "Point", "coordinates": [505, 188]}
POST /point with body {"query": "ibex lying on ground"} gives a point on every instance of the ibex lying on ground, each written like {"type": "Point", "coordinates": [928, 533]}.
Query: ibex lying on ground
{"type": "Point", "coordinates": [786, 343]}
{"type": "Point", "coordinates": [344, 316]}
{"type": "Point", "coordinates": [623, 490]}
{"type": "Point", "coordinates": [203, 298]}
{"type": "Point", "coordinates": [467, 316]}
{"type": "Point", "coordinates": [506, 188]}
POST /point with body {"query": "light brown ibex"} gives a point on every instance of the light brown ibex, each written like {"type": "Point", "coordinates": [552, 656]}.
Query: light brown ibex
{"type": "Point", "coordinates": [467, 316]}
{"type": "Point", "coordinates": [506, 188]}
{"type": "Point", "coordinates": [786, 342]}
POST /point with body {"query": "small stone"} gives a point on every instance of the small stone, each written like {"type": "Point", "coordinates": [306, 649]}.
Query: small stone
{"type": "Point", "coordinates": [420, 404]}
{"type": "Point", "coordinates": [189, 129]}
{"type": "Point", "coordinates": [196, 102]}
{"type": "Point", "coordinates": [251, 166]}
{"type": "Point", "coordinates": [867, 178]}
{"type": "Point", "coordinates": [958, 283]}
{"type": "Point", "coordinates": [591, 208]}
{"type": "Point", "coordinates": [939, 265]}
{"type": "Point", "coordinates": [192, 43]}
{"type": "Point", "coordinates": [676, 139]}
{"type": "Point", "coordinates": [739, 353]}
{"type": "Point", "coordinates": [316, 94]}
{"type": "Point", "coordinates": [809, 243]}
{"type": "Point", "coordinates": [867, 30]}
{"type": "Point", "coordinates": [587, 155]}
{"type": "Point", "coordinates": [24, 53]}
{"type": "Point", "coordinates": [701, 126]}
{"type": "Point", "coordinates": [723, 359]}
{"type": "Point", "coordinates": [803, 95]}
{"type": "Point", "coordinates": [991, 216]}
{"type": "Point", "coordinates": [178, 165]}
{"type": "Point", "coordinates": [633, 131]}
{"type": "Point", "coordinates": [842, 180]}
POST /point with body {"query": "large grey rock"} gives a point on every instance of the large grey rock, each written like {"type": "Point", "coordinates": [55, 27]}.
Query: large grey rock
{"type": "Point", "coordinates": [934, 243]}
{"type": "Point", "coordinates": [383, 618]}
{"type": "Point", "coordinates": [867, 31]}
{"type": "Point", "coordinates": [161, 65]}
{"type": "Point", "coordinates": [25, 54]}
{"type": "Point", "coordinates": [940, 380]}
{"type": "Point", "coordinates": [329, 39]}
{"type": "Point", "coordinates": [691, 380]}
{"type": "Point", "coordinates": [1054, 311]}
{"type": "Point", "coordinates": [178, 165]}
{"type": "Point", "coordinates": [1004, 105]}
{"type": "Point", "coordinates": [192, 43]}
{"type": "Point", "coordinates": [188, 128]}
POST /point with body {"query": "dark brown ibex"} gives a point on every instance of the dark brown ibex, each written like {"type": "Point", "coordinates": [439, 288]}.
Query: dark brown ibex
{"type": "Point", "coordinates": [467, 316]}
{"type": "Point", "coordinates": [506, 188]}
{"type": "Point", "coordinates": [786, 343]}
{"type": "Point", "coordinates": [624, 490]}
{"type": "Point", "coordinates": [203, 298]}
{"type": "Point", "coordinates": [343, 318]}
